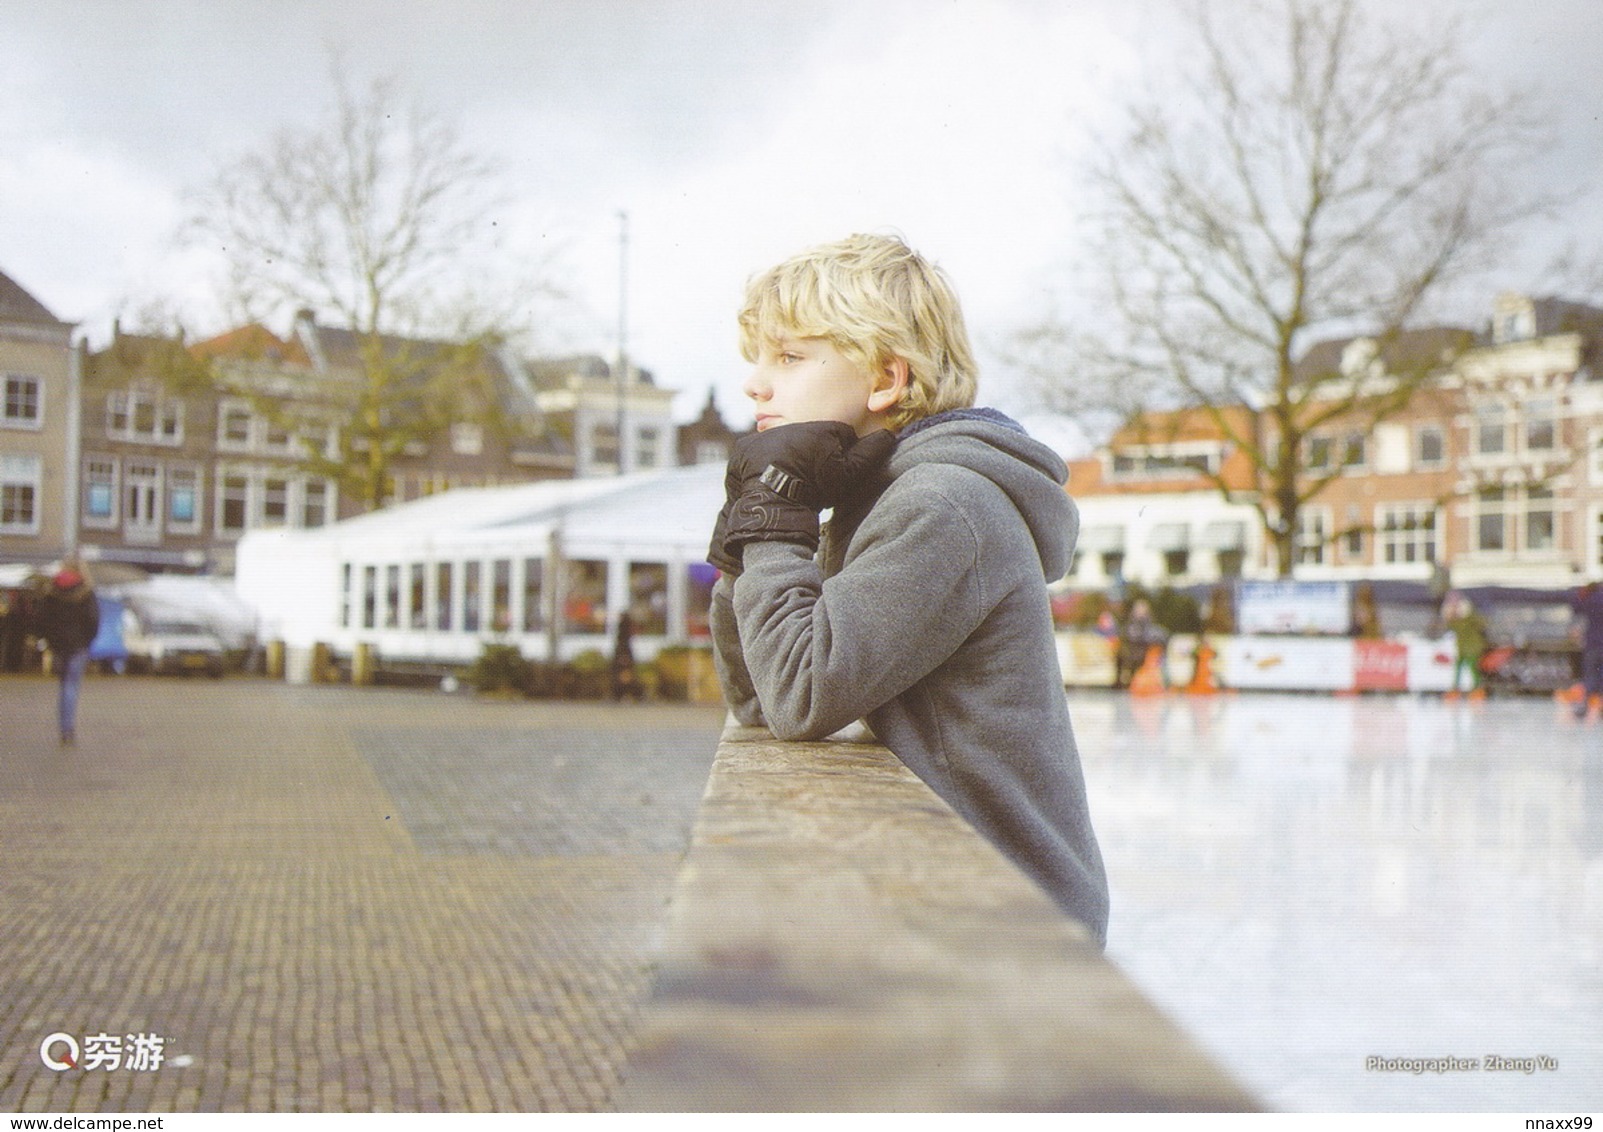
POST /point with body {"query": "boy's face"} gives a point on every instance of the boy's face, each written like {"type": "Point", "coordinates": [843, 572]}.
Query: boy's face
{"type": "Point", "coordinates": [797, 379]}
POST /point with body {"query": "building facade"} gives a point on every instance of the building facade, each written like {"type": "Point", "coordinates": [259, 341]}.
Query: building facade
{"type": "Point", "coordinates": [186, 447]}
{"type": "Point", "coordinates": [1490, 475]}
{"type": "Point", "coordinates": [41, 369]}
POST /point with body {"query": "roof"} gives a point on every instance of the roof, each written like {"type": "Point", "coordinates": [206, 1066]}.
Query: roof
{"type": "Point", "coordinates": [672, 507]}
{"type": "Point", "coordinates": [17, 305]}
{"type": "Point", "coordinates": [253, 341]}
{"type": "Point", "coordinates": [1405, 352]}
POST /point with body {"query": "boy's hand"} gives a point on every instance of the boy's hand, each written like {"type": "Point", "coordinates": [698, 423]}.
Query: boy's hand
{"type": "Point", "coordinates": [780, 479]}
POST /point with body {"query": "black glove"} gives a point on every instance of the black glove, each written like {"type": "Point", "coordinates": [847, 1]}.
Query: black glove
{"type": "Point", "coordinates": [779, 480]}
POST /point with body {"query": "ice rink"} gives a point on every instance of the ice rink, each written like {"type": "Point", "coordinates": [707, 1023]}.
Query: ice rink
{"type": "Point", "coordinates": [1309, 883]}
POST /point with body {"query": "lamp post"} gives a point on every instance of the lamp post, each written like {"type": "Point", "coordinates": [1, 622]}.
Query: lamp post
{"type": "Point", "coordinates": [622, 379]}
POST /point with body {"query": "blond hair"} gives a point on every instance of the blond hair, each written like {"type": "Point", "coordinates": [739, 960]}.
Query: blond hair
{"type": "Point", "coordinates": [874, 299]}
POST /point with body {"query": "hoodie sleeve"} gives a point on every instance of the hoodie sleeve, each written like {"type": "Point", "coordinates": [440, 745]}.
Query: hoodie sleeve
{"type": "Point", "coordinates": [823, 654]}
{"type": "Point", "coordinates": [729, 659]}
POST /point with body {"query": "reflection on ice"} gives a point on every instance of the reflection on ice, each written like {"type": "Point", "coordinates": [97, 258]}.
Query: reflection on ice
{"type": "Point", "coordinates": [1306, 882]}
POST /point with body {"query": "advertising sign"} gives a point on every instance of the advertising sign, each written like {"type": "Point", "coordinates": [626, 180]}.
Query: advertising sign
{"type": "Point", "coordinates": [1294, 607]}
{"type": "Point", "coordinates": [1380, 666]}
{"type": "Point", "coordinates": [1289, 663]}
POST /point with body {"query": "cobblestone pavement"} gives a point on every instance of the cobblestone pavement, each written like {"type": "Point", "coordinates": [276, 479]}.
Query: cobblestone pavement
{"type": "Point", "coordinates": [333, 899]}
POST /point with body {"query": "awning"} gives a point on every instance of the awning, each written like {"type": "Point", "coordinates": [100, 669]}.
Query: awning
{"type": "Point", "coordinates": [1225, 534]}
{"type": "Point", "coordinates": [1101, 540]}
{"type": "Point", "coordinates": [1169, 536]}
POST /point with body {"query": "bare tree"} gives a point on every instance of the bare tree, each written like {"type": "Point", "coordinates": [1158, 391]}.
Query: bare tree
{"type": "Point", "coordinates": [1315, 174]}
{"type": "Point", "coordinates": [383, 223]}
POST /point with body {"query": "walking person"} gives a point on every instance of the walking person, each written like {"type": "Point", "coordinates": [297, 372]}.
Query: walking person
{"type": "Point", "coordinates": [69, 618]}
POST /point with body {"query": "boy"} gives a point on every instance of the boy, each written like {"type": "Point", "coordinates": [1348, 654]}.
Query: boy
{"type": "Point", "coordinates": [925, 609]}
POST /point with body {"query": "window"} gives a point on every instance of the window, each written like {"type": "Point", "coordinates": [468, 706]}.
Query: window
{"type": "Point", "coordinates": [369, 597]}
{"type": "Point", "coordinates": [1164, 463]}
{"type": "Point", "coordinates": [1432, 447]}
{"type": "Point", "coordinates": [275, 502]}
{"type": "Point", "coordinates": [146, 417]}
{"type": "Point", "coordinates": [501, 595]}
{"type": "Point", "coordinates": [604, 444]}
{"type": "Point", "coordinates": [1491, 430]}
{"type": "Point", "coordinates": [183, 500]}
{"type": "Point", "coordinates": [444, 598]}
{"type": "Point", "coordinates": [1354, 450]}
{"type": "Point", "coordinates": [1407, 532]}
{"type": "Point", "coordinates": [1541, 428]}
{"type": "Point", "coordinates": [234, 427]}
{"type": "Point", "coordinates": [100, 492]}
{"type": "Point", "coordinates": [392, 597]}
{"type": "Point", "coordinates": [314, 503]}
{"type": "Point", "coordinates": [646, 447]}
{"type": "Point", "coordinates": [21, 480]}
{"type": "Point", "coordinates": [1491, 520]}
{"type": "Point", "coordinates": [1313, 526]}
{"type": "Point", "coordinates": [584, 597]}
{"type": "Point", "coordinates": [233, 503]}
{"type": "Point", "coordinates": [1541, 521]}
{"type": "Point", "coordinates": [417, 609]}
{"type": "Point", "coordinates": [648, 597]}
{"type": "Point", "coordinates": [472, 597]}
{"type": "Point", "coordinates": [1318, 453]}
{"type": "Point", "coordinates": [533, 610]}
{"type": "Point", "coordinates": [345, 595]}
{"type": "Point", "coordinates": [24, 402]}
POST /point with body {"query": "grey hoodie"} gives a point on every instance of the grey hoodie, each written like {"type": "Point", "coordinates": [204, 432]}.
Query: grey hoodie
{"type": "Point", "coordinates": [926, 612]}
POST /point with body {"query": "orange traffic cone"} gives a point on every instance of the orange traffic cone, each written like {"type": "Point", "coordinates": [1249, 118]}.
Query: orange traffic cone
{"type": "Point", "coordinates": [1148, 679]}
{"type": "Point", "coordinates": [1202, 681]}
{"type": "Point", "coordinates": [1570, 695]}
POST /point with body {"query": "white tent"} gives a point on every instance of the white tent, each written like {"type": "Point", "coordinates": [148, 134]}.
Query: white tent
{"type": "Point", "coordinates": [547, 566]}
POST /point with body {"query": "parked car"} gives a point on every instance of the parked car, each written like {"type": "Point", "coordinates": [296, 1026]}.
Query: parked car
{"type": "Point", "coordinates": [171, 645]}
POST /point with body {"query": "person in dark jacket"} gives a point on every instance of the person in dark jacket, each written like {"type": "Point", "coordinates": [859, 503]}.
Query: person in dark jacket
{"type": "Point", "coordinates": [1588, 606]}
{"type": "Point", "coordinates": [69, 618]}
{"type": "Point", "coordinates": [922, 606]}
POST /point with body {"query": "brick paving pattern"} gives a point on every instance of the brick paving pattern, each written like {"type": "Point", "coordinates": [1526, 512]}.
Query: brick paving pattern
{"type": "Point", "coordinates": [334, 899]}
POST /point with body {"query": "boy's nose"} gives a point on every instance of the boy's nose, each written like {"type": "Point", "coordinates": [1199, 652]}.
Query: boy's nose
{"type": "Point", "coordinates": [756, 386]}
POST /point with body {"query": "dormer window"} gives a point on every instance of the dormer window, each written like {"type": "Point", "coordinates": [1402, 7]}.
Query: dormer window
{"type": "Point", "coordinates": [1515, 320]}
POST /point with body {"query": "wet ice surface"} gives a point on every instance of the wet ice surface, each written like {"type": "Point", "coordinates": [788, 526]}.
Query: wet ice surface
{"type": "Point", "coordinates": [1305, 882]}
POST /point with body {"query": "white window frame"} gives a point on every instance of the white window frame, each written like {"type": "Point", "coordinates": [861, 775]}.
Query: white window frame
{"type": "Point", "coordinates": [1540, 412]}
{"type": "Point", "coordinates": [182, 477]}
{"type": "Point", "coordinates": [1491, 418]}
{"type": "Point", "coordinates": [1483, 509]}
{"type": "Point", "coordinates": [166, 417]}
{"type": "Point", "coordinates": [113, 485]}
{"type": "Point", "coordinates": [234, 409]}
{"type": "Point", "coordinates": [1424, 462]}
{"type": "Point", "coordinates": [1407, 533]}
{"type": "Point", "coordinates": [1312, 544]}
{"type": "Point", "coordinates": [29, 422]}
{"type": "Point", "coordinates": [19, 473]}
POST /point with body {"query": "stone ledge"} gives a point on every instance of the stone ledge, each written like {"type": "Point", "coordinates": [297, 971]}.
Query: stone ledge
{"type": "Point", "coordinates": [840, 940]}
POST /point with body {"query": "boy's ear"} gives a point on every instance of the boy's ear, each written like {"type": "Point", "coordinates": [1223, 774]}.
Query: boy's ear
{"type": "Point", "coordinates": [890, 387]}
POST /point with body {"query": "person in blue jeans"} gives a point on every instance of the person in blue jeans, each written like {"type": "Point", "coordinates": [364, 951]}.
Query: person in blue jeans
{"type": "Point", "coordinates": [69, 618]}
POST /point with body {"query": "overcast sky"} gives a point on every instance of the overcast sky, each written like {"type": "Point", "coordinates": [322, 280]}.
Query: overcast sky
{"type": "Point", "coordinates": [732, 132]}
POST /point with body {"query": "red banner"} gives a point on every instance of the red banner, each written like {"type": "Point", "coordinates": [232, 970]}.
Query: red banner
{"type": "Point", "coordinates": [1380, 666]}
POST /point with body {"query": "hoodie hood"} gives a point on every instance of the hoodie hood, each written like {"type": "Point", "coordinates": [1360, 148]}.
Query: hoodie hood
{"type": "Point", "coordinates": [997, 447]}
